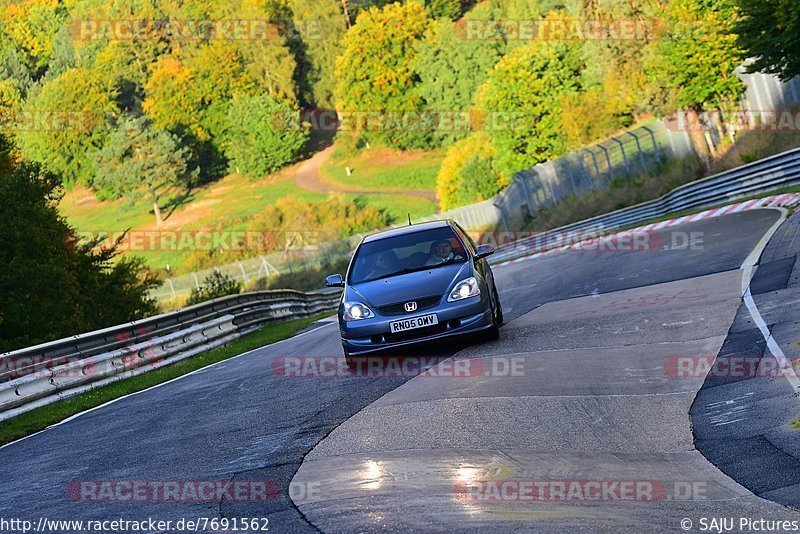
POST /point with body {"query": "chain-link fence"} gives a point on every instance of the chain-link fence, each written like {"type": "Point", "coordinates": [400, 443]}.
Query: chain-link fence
{"type": "Point", "coordinates": [620, 157]}
{"type": "Point", "coordinates": [630, 154]}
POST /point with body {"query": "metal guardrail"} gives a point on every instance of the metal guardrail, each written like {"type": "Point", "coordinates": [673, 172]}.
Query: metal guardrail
{"type": "Point", "coordinates": [45, 373]}
{"type": "Point", "coordinates": [42, 374]}
{"type": "Point", "coordinates": [781, 170]}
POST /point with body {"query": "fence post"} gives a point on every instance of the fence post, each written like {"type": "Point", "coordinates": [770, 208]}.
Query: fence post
{"type": "Point", "coordinates": [639, 148]}
{"type": "Point", "coordinates": [624, 157]}
{"type": "Point", "coordinates": [503, 216]}
{"type": "Point", "coordinates": [571, 178]}
{"type": "Point", "coordinates": [171, 287]}
{"type": "Point", "coordinates": [608, 161]}
{"type": "Point", "coordinates": [653, 138]}
{"type": "Point", "coordinates": [244, 274]}
{"type": "Point", "coordinates": [526, 187]}
{"type": "Point", "coordinates": [596, 168]}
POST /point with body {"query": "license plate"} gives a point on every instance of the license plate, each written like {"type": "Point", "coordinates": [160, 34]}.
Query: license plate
{"type": "Point", "coordinates": [414, 322]}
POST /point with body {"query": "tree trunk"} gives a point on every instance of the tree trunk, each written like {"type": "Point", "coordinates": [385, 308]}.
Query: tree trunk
{"type": "Point", "coordinates": [157, 211]}
{"type": "Point", "coordinates": [346, 13]}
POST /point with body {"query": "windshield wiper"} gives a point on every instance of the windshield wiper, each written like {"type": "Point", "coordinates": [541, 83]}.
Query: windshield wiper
{"type": "Point", "coordinates": [415, 269]}
{"type": "Point", "coordinates": [403, 271]}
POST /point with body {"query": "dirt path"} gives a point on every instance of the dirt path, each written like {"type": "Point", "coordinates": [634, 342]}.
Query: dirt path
{"type": "Point", "coordinates": [309, 177]}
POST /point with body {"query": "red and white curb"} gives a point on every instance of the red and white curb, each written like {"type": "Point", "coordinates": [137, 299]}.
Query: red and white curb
{"type": "Point", "coordinates": [774, 201]}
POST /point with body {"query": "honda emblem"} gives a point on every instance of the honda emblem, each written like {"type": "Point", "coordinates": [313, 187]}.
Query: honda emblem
{"type": "Point", "coordinates": [410, 306]}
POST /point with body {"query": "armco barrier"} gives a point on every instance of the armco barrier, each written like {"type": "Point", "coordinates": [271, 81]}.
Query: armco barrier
{"type": "Point", "coordinates": [777, 171]}
{"type": "Point", "coordinates": [45, 373]}
{"type": "Point", "coordinates": [38, 375]}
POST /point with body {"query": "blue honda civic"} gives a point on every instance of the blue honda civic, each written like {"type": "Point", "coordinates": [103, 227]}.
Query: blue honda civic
{"type": "Point", "coordinates": [416, 284]}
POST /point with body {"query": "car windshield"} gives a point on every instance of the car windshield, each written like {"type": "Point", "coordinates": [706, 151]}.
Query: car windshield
{"type": "Point", "coordinates": [405, 253]}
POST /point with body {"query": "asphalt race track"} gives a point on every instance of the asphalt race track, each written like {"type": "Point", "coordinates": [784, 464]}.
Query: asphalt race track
{"type": "Point", "coordinates": [581, 392]}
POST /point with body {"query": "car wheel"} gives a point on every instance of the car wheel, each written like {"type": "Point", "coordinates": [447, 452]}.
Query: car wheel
{"type": "Point", "coordinates": [498, 309]}
{"type": "Point", "coordinates": [348, 358]}
{"type": "Point", "coordinates": [493, 333]}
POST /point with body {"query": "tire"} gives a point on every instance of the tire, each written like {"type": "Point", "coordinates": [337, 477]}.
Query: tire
{"type": "Point", "coordinates": [493, 334]}
{"type": "Point", "coordinates": [348, 358]}
{"type": "Point", "coordinates": [499, 309]}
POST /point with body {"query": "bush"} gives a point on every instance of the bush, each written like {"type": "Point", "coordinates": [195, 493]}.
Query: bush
{"type": "Point", "coordinates": [468, 173]}
{"type": "Point", "coordinates": [214, 286]}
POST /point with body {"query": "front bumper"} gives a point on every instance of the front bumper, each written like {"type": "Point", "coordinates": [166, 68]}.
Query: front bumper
{"type": "Point", "coordinates": [455, 319]}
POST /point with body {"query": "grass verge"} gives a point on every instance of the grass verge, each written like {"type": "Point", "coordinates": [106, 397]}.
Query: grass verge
{"type": "Point", "coordinates": [384, 169]}
{"type": "Point", "coordinates": [40, 418]}
{"type": "Point", "coordinates": [796, 424]}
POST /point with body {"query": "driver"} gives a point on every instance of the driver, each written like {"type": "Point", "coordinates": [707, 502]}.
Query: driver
{"type": "Point", "coordinates": [442, 251]}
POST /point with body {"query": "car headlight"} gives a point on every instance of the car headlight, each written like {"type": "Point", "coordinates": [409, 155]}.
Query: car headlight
{"type": "Point", "coordinates": [464, 289]}
{"type": "Point", "coordinates": [355, 311]}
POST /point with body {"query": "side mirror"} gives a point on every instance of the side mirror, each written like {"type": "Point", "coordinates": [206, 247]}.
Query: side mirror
{"type": "Point", "coordinates": [484, 250]}
{"type": "Point", "coordinates": [334, 280]}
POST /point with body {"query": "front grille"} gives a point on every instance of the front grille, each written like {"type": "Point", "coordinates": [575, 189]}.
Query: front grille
{"type": "Point", "coordinates": [416, 333]}
{"type": "Point", "coordinates": [398, 307]}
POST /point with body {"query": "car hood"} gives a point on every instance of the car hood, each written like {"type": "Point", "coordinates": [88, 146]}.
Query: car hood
{"type": "Point", "coordinates": [409, 286]}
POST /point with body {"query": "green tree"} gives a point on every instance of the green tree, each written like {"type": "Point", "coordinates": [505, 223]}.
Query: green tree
{"type": "Point", "coordinates": [769, 31]}
{"type": "Point", "coordinates": [320, 26]}
{"type": "Point", "coordinates": [698, 53]}
{"type": "Point", "coordinates": [523, 98]}
{"type": "Point", "coordinates": [12, 70]}
{"type": "Point", "coordinates": [450, 69]}
{"type": "Point", "coordinates": [140, 160]}
{"type": "Point", "coordinates": [448, 9]}
{"type": "Point", "coordinates": [70, 117]}
{"type": "Point", "coordinates": [31, 26]}
{"type": "Point", "coordinates": [264, 134]}
{"type": "Point", "coordinates": [51, 286]}
{"type": "Point", "coordinates": [375, 73]}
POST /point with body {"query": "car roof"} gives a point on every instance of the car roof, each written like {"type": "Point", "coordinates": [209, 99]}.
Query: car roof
{"type": "Point", "coordinates": [402, 230]}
